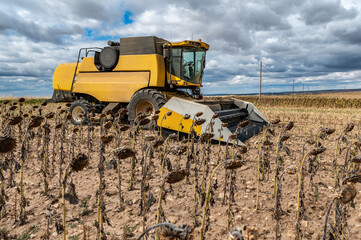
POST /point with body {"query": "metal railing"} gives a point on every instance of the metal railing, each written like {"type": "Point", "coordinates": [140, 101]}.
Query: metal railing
{"type": "Point", "coordinates": [87, 51]}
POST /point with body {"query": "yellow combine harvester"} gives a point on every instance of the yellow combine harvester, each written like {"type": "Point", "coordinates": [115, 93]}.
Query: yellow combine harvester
{"type": "Point", "coordinates": [145, 74]}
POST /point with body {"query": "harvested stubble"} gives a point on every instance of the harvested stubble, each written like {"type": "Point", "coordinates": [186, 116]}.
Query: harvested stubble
{"type": "Point", "coordinates": [301, 101]}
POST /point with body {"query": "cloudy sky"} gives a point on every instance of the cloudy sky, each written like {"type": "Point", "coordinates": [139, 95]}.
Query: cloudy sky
{"type": "Point", "coordinates": [316, 42]}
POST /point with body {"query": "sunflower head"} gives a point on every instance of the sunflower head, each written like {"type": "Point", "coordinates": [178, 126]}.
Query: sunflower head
{"type": "Point", "coordinates": [79, 162]}
{"type": "Point", "coordinates": [35, 122]}
{"type": "Point", "coordinates": [7, 144]}
{"type": "Point", "coordinates": [124, 152]}
{"type": "Point", "coordinates": [176, 176]}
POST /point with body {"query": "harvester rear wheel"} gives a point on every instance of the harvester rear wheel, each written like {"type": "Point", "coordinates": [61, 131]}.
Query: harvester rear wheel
{"type": "Point", "coordinates": [145, 101]}
{"type": "Point", "coordinates": [79, 109]}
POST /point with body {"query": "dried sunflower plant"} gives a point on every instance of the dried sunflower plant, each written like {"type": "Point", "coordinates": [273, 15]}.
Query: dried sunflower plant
{"type": "Point", "coordinates": [315, 151]}
{"type": "Point", "coordinates": [278, 212]}
{"type": "Point", "coordinates": [281, 139]}
{"type": "Point", "coordinates": [230, 164]}
{"type": "Point", "coordinates": [342, 138]}
{"type": "Point", "coordinates": [105, 140]}
{"type": "Point", "coordinates": [342, 200]}
{"type": "Point", "coordinates": [164, 161]}
{"type": "Point", "coordinates": [264, 149]}
{"type": "Point", "coordinates": [77, 164]}
{"type": "Point", "coordinates": [7, 144]}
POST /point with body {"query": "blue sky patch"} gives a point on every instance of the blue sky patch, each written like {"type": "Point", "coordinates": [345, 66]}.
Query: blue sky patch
{"type": "Point", "coordinates": [127, 16]}
{"type": "Point", "coordinates": [88, 32]}
{"type": "Point", "coordinates": [94, 36]}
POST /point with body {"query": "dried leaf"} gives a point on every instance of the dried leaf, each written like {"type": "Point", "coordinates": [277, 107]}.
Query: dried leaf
{"type": "Point", "coordinates": [244, 123]}
{"type": "Point", "coordinates": [200, 121]}
{"type": "Point", "coordinates": [275, 121]}
{"type": "Point", "coordinates": [318, 150]}
{"type": "Point", "coordinates": [356, 159]}
{"type": "Point", "coordinates": [284, 137]}
{"type": "Point", "coordinates": [352, 179]}
{"type": "Point", "coordinates": [271, 132]}
{"type": "Point", "coordinates": [234, 163]}
{"type": "Point", "coordinates": [205, 137]}
{"type": "Point", "coordinates": [287, 150]}
{"type": "Point", "coordinates": [349, 127]}
{"type": "Point", "coordinates": [289, 126]}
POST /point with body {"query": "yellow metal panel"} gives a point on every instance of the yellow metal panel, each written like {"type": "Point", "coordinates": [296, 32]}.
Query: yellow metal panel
{"type": "Point", "coordinates": [180, 82]}
{"type": "Point", "coordinates": [186, 83]}
{"type": "Point", "coordinates": [188, 43]}
{"type": "Point", "coordinates": [172, 122]}
{"type": "Point", "coordinates": [87, 65]}
{"type": "Point", "coordinates": [153, 63]}
{"type": "Point", "coordinates": [63, 76]}
{"type": "Point", "coordinates": [185, 95]}
{"type": "Point", "coordinates": [111, 86]}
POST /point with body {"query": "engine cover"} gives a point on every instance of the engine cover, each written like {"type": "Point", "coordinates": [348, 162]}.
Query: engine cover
{"type": "Point", "coordinates": [107, 59]}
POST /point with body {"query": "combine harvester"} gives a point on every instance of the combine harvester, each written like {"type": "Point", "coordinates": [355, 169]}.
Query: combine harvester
{"type": "Point", "coordinates": [145, 74]}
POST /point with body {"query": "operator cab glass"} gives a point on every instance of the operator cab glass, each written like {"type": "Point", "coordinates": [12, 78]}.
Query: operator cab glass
{"type": "Point", "coordinates": [188, 64]}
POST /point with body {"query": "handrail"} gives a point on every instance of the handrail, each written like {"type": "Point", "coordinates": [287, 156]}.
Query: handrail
{"type": "Point", "coordinates": [77, 62]}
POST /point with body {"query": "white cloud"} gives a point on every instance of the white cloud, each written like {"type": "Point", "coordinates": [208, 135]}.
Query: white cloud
{"type": "Point", "coordinates": [16, 80]}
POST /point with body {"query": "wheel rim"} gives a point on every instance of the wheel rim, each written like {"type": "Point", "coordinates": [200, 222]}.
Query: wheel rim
{"type": "Point", "coordinates": [78, 114]}
{"type": "Point", "coordinates": [144, 107]}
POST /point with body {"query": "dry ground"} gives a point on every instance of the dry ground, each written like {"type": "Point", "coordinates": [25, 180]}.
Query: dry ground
{"type": "Point", "coordinates": [179, 204]}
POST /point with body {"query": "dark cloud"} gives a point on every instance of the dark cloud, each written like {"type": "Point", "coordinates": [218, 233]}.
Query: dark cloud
{"type": "Point", "coordinates": [36, 31]}
{"type": "Point", "coordinates": [284, 7]}
{"type": "Point", "coordinates": [324, 11]}
{"type": "Point", "coordinates": [349, 34]}
{"type": "Point", "coordinates": [280, 47]}
{"type": "Point", "coordinates": [263, 18]}
{"type": "Point", "coordinates": [90, 10]}
{"type": "Point", "coordinates": [342, 61]}
{"type": "Point", "coordinates": [108, 11]}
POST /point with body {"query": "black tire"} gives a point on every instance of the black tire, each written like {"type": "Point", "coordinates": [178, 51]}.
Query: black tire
{"type": "Point", "coordinates": [148, 96]}
{"type": "Point", "coordinates": [79, 107]}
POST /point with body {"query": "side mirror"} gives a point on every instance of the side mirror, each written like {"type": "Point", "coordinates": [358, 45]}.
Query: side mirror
{"type": "Point", "coordinates": [165, 52]}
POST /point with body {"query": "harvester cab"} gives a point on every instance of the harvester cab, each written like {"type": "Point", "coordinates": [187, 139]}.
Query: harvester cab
{"type": "Point", "coordinates": [185, 62]}
{"type": "Point", "coordinates": [145, 74]}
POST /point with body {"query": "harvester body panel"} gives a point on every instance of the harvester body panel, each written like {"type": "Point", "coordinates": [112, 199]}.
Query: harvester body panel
{"type": "Point", "coordinates": [133, 72]}
{"type": "Point", "coordinates": [111, 86]}
{"type": "Point", "coordinates": [63, 76]}
{"type": "Point", "coordinates": [176, 121]}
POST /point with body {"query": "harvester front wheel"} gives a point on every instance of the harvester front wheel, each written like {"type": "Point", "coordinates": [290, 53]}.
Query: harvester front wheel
{"type": "Point", "coordinates": [79, 109]}
{"type": "Point", "coordinates": [145, 101]}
